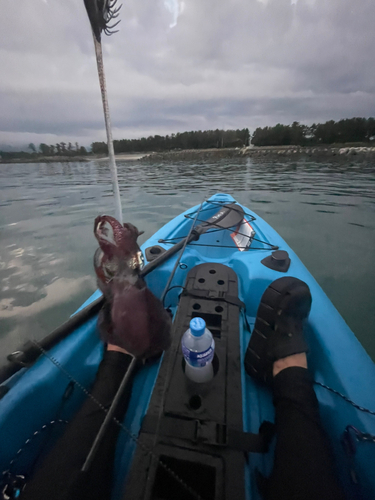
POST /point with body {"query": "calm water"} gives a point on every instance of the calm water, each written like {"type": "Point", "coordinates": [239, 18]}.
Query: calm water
{"type": "Point", "coordinates": [325, 211]}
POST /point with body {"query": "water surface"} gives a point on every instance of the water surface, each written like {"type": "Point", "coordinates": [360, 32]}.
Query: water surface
{"type": "Point", "coordinates": [325, 211]}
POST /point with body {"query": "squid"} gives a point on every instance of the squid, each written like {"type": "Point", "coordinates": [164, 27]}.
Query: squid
{"type": "Point", "coordinates": [132, 317]}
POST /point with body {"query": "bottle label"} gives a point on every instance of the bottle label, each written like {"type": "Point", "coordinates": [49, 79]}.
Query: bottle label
{"type": "Point", "coordinates": [199, 359]}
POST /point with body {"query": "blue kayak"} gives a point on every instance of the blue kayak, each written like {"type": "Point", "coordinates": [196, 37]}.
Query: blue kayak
{"type": "Point", "coordinates": [221, 276]}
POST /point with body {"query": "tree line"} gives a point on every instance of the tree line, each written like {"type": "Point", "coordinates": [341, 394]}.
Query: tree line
{"type": "Point", "coordinates": [342, 131]}
{"type": "Point", "coordinates": [59, 149]}
{"type": "Point", "coordinates": [186, 140]}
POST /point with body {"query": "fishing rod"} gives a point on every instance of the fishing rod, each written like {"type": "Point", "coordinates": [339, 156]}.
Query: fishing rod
{"type": "Point", "coordinates": [101, 13]}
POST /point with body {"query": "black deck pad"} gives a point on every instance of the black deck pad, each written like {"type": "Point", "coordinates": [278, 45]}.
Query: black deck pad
{"type": "Point", "coordinates": [196, 430]}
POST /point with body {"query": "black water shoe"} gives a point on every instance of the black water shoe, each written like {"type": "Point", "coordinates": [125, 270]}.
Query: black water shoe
{"type": "Point", "coordinates": [278, 329]}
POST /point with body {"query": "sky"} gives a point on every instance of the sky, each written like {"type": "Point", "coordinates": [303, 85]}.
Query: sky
{"type": "Point", "coordinates": [179, 65]}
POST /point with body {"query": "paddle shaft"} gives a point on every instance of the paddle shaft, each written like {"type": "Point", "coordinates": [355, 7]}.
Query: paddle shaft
{"type": "Point", "coordinates": [29, 353]}
{"type": "Point", "coordinates": [166, 255]}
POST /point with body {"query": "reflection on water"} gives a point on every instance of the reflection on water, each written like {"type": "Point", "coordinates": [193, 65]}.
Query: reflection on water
{"type": "Point", "coordinates": [324, 210]}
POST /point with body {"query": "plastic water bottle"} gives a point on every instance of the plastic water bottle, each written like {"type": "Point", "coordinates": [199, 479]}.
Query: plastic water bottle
{"type": "Point", "coordinates": [198, 348]}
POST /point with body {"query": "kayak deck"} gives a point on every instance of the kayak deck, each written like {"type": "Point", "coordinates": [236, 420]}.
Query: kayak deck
{"type": "Point", "coordinates": [336, 358]}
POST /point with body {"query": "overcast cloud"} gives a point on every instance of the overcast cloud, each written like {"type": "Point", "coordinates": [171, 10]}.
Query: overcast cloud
{"type": "Point", "coordinates": [183, 65]}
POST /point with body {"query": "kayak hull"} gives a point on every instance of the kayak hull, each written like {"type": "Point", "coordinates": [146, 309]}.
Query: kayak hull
{"type": "Point", "coordinates": [38, 395]}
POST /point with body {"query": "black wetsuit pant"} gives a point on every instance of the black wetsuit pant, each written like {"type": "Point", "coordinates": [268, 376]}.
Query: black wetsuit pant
{"type": "Point", "coordinates": [303, 467]}
{"type": "Point", "coordinates": [59, 477]}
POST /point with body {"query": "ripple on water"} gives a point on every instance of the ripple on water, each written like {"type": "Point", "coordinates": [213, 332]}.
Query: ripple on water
{"type": "Point", "coordinates": [47, 214]}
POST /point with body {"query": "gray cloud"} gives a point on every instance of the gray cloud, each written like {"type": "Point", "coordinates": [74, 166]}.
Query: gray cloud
{"type": "Point", "coordinates": [223, 64]}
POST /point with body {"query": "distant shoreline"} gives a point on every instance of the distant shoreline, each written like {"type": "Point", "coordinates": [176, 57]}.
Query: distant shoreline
{"type": "Point", "coordinates": [74, 159]}
{"type": "Point", "coordinates": [215, 153]}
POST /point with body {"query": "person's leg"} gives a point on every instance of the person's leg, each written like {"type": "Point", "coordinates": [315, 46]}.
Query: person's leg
{"type": "Point", "coordinates": [59, 477]}
{"type": "Point", "coordinates": [303, 465]}
{"type": "Point", "coordinates": [276, 356]}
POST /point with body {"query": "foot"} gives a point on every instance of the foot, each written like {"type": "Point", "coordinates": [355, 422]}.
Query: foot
{"type": "Point", "coordinates": [278, 331]}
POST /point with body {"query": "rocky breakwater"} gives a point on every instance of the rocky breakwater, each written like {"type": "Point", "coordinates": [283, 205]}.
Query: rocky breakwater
{"type": "Point", "coordinates": [193, 154]}
{"type": "Point", "coordinates": [291, 151]}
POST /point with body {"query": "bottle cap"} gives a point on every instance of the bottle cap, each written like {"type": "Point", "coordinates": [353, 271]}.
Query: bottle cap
{"type": "Point", "coordinates": [197, 326]}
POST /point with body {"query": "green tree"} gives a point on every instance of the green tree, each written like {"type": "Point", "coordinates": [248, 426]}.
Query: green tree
{"type": "Point", "coordinates": [45, 149]}
{"type": "Point", "coordinates": [99, 148]}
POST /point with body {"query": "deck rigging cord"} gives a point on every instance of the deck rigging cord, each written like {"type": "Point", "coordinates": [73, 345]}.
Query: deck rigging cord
{"type": "Point", "coordinates": [345, 398]}
{"type": "Point", "coordinates": [269, 246]}
{"type": "Point", "coordinates": [178, 260]}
